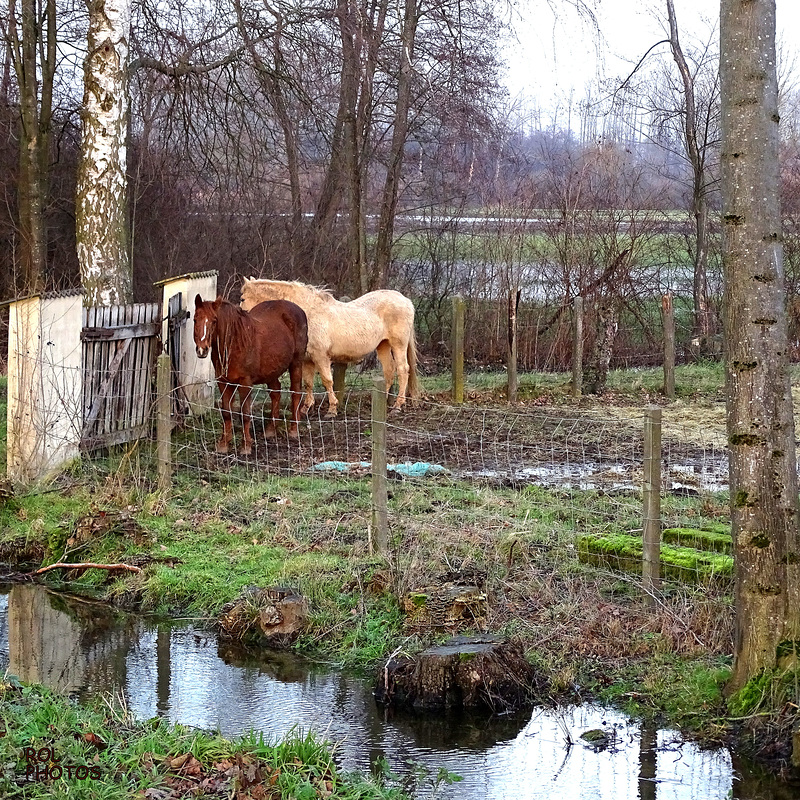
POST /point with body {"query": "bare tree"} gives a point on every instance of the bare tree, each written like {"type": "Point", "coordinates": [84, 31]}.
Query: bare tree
{"type": "Point", "coordinates": [32, 37]}
{"type": "Point", "coordinates": [699, 129]}
{"type": "Point", "coordinates": [763, 469]}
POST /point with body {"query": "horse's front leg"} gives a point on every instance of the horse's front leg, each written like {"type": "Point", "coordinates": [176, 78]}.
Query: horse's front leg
{"type": "Point", "coordinates": [226, 391]}
{"type": "Point", "coordinates": [308, 370]}
{"type": "Point", "coordinates": [326, 375]}
{"type": "Point", "coordinates": [295, 383]}
{"type": "Point", "coordinates": [246, 403]}
{"type": "Point", "coordinates": [275, 407]}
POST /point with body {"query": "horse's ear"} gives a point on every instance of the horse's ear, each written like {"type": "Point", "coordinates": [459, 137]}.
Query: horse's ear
{"type": "Point", "coordinates": [198, 301]}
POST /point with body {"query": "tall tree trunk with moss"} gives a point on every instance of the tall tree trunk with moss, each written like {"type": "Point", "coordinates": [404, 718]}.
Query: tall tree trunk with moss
{"type": "Point", "coordinates": [102, 198]}
{"type": "Point", "coordinates": [763, 477]}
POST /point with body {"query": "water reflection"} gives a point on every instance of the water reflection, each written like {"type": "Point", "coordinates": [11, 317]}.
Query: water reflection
{"type": "Point", "coordinates": [181, 672]}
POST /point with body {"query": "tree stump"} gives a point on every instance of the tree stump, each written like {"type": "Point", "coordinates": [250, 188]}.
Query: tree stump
{"type": "Point", "coordinates": [465, 672]}
{"type": "Point", "coordinates": [273, 616]}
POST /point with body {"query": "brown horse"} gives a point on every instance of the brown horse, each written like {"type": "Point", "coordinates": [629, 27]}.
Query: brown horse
{"type": "Point", "coordinates": [249, 348]}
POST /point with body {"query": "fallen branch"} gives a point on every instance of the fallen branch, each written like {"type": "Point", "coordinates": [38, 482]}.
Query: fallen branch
{"type": "Point", "coordinates": [61, 565]}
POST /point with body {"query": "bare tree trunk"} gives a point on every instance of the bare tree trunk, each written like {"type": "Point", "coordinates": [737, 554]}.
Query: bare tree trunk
{"type": "Point", "coordinates": [32, 48]}
{"type": "Point", "coordinates": [101, 195]}
{"type": "Point", "coordinates": [702, 323]}
{"type": "Point", "coordinates": [760, 424]}
{"type": "Point", "coordinates": [391, 188]}
{"type": "Point", "coordinates": [272, 79]}
{"type": "Point", "coordinates": [595, 374]}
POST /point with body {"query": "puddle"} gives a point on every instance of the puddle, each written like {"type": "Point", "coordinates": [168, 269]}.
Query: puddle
{"type": "Point", "coordinates": [181, 672]}
{"type": "Point", "coordinates": [709, 476]}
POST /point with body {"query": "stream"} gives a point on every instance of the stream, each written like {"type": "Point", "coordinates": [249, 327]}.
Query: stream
{"type": "Point", "coordinates": [179, 670]}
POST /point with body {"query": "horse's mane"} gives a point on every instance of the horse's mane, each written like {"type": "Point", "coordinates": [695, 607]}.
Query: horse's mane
{"type": "Point", "coordinates": [233, 323]}
{"type": "Point", "coordinates": [320, 292]}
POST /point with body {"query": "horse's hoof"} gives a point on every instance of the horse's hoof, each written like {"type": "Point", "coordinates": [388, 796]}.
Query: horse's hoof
{"type": "Point", "coordinates": [222, 449]}
{"type": "Point", "coordinates": [245, 451]}
{"type": "Point", "coordinates": [270, 433]}
{"type": "Point", "coordinates": [294, 435]}
{"type": "Point", "coordinates": [332, 413]}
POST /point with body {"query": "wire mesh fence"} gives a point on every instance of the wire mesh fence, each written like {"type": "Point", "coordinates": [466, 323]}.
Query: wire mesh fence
{"type": "Point", "coordinates": [583, 467]}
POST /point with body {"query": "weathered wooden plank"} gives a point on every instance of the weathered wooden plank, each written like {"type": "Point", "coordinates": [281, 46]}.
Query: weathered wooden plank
{"type": "Point", "coordinates": [126, 331]}
{"type": "Point", "coordinates": [114, 437]}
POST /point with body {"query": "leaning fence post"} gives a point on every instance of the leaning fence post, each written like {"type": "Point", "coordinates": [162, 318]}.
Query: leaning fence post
{"type": "Point", "coordinates": [577, 346]}
{"type": "Point", "coordinates": [651, 537]}
{"type": "Point", "coordinates": [669, 345]}
{"type": "Point", "coordinates": [380, 507]}
{"type": "Point", "coordinates": [163, 420]}
{"type": "Point", "coordinates": [458, 349]}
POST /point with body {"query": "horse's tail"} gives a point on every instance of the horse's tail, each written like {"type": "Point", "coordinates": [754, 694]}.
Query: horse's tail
{"type": "Point", "coordinates": [411, 356]}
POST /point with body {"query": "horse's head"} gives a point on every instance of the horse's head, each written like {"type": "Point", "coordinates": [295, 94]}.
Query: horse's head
{"type": "Point", "coordinates": [205, 324]}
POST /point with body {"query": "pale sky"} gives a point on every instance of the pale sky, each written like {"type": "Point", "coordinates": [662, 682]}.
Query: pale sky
{"type": "Point", "coordinates": [559, 51]}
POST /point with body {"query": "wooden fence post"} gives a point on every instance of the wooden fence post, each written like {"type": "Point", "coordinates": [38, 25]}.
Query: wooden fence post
{"type": "Point", "coordinates": [514, 296]}
{"type": "Point", "coordinates": [339, 371]}
{"type": "Point", "coordinates": [380, 503]}
{"type": "Point", "coordinates": [458, 349]}
{"type": "Point", "coordinates": [163, 420]}
{"type": "Point", "coordinates": [577, 346]}
{"type": "Point", "coordinates": [669, 345]}
{"type": "Point", "coordinates": [651, 536]}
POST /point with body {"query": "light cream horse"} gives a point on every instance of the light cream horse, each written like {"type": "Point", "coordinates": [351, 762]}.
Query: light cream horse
{"type": "Point", "coordinates": [347, 332]}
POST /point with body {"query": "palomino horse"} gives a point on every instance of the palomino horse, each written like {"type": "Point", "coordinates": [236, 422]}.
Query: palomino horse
{"type": "Point", "coordinates": [249, 348]}
{"type": "Point", "coordinates": [347, 332]}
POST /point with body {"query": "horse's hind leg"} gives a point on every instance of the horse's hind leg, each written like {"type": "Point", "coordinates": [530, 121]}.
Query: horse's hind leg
{"type": "Point", "coordinates": [226, 391]}
{"type": "Point", "coordinates": [401, 363]}
{"type": "Point", "coordinates": [326, 376]}
{"type": "Point", "coordinates": [308, 370]}
{"type": "Point", "coordinates": [246, 401]}
{"type": "Point", "coordinates": [275, 407]}
{"type": "Point", "coordinates": [295, 383]}
{"type": "Point", "coordinates": [384, 352]}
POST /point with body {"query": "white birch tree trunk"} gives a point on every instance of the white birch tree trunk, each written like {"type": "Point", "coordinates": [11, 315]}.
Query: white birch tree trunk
{"type": "Point", "coordinates": [102, 202]}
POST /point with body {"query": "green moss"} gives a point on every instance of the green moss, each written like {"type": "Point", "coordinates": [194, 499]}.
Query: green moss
{"type": "Point", "coordinates": [717, 540]}
{"type": "Point", "coordinates": [621, 551]}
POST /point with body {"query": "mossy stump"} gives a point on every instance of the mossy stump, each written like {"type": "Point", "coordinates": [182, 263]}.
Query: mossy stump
{"type": "Point", "coordinates": [273, 616]}
{"type": "Point", "coordinates": [477, 672]}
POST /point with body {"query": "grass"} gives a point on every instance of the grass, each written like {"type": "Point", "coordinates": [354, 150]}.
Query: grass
{"type": "Point", "coordinates": [212, 536]}
{"type": "Point", "coordinates": [701, 381]}
{"type": "Point", "coordinates": [127, 758]}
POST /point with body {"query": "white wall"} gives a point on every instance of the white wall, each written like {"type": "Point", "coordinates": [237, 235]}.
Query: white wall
{"type": "Point", "coordinates": [45, 383]}
{"type": "Point", "coordinates": [196, 374]}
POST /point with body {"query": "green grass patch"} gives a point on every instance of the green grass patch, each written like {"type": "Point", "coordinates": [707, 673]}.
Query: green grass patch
{"type": "Point", "coordinates": [129, 757]}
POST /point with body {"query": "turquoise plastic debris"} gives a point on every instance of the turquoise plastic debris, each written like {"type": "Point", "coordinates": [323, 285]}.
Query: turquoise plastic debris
{"type": "Point", "coordinates": [341, 466]}
{"type": "Point", "coordinates": [419, 469]}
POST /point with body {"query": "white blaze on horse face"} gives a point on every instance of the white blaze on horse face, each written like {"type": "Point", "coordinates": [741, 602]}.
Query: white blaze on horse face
{"type": "Point", "coordinates": [202, 344]}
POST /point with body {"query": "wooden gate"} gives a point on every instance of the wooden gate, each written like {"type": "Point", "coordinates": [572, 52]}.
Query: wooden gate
{"type": "Point", "coordinates": [120, 348]}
